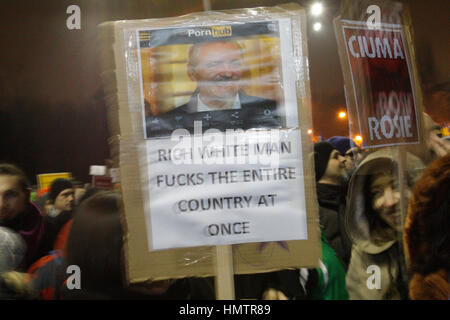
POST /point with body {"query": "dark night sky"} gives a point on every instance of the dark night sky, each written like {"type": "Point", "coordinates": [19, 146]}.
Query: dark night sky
{"type": "Point", "coordinates": [52, 114]}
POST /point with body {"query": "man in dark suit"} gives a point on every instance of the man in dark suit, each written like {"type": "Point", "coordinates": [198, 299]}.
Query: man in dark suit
{"type": "Point", "coordinates": [218, 100]}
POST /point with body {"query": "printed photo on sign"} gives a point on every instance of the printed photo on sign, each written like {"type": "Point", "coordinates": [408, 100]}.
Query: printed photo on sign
{"type": "Point", "coordinates": [383, 86]}
{"type": "Point", "coordinates": [226, 76]}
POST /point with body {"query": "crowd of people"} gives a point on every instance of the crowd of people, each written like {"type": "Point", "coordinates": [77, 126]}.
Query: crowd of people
{"type": "Point", "coordinates": [369, 249]}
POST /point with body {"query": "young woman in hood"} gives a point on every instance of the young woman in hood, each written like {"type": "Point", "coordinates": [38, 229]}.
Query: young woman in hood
{"type": "Point", "coordinates": [374, 222]}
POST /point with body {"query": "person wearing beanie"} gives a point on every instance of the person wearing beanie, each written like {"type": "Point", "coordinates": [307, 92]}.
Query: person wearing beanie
{"type": "Point", "coordinates": [342, 144]}
{"type": "Point", "coordinates": [349, 149]}
{"type": "Point", "coordinates": [61, 195]}
{"type": "Point", "coordinates": [61, 198]}
{"type": "Point", "coordinates": [322, 152]}
{"type": "Point", "coordinates": [331, 177]}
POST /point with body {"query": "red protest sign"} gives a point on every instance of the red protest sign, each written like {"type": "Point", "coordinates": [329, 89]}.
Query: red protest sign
{"type": "Point", "coordinates": [102, 182]}
{"type": "Point", "coordinates": [382, 83]}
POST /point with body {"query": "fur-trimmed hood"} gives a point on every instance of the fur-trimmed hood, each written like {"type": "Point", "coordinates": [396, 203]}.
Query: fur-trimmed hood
{"type": "Point", "coordinates": [356, 222]}
{"type": "Point", "coordinates": [426, 227]}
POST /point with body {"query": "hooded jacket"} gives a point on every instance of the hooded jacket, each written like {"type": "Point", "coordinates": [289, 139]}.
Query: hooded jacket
{"type": "Point", "coordinates": [426, 236]}
{"type": "Point", "coordinates": [377, 270]}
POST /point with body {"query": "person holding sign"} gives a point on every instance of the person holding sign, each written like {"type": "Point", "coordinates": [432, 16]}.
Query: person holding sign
{"type": "Point", "coordinates": [61, 197]}
{"type": "Point", "coordinates": [218, 69]}
{"type": "Point", "coordinates": [348, 149]}
{"type": "Point", "coordinates": [374, 223]}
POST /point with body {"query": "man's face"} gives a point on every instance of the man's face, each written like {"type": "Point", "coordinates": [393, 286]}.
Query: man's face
{"type": "Point", "coordinates": [65, 200]}
{"type": "Point", "coordinates": [217, 69]}
{"type": "Point", "coordinates": [13, 198]}
{"type": "Point", "coordinates": [385, 197]}
{"type": "Point", "coordinates": [352, 157]}
{"type": "Point", "coordinates": [336, 168]}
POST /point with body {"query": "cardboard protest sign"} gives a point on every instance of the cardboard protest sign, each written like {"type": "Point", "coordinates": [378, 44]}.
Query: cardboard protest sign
{"type": "Point", "coordinates": [102, 182]}
{"type": "Point", "coordinates": [46, 179]}
{"type": "Point", "coordinates": [97, 170]}
{"type": "Point", "coordinates": [382, 88]}
{"type": "Point", "coordinates": [207, 113]}
{"type": "Point", "coordinates": [382, 84]}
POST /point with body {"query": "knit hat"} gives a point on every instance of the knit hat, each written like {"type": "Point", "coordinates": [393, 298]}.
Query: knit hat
{"type": "Point", "coordinates": [322, 151]}
{"type": "Point", "coordinates": [57, 187]}
{"type": "Point", "coordinates": [342, 144]}
{"type": "Point", "coordinates": [12, 250]}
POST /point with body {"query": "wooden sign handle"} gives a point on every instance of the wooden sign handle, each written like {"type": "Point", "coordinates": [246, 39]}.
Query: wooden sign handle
{"type": "Point", "coordinates": [224, 273]}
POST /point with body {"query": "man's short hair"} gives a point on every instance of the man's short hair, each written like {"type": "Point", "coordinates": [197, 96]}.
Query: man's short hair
{"type": "Point", "coordinates": [7, 169]}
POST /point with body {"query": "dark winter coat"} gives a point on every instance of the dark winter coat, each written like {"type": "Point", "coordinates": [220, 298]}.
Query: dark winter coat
{"type": "Point", "coordinates": [331, 213]}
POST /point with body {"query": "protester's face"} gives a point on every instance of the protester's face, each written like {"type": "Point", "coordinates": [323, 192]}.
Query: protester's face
{"type": "Point", "coordinates": [65, 200]}
{"type": "Point", "coordinates": [385, 195]}
{"type": "Point", "coordinates": [352, 157]}
{"type": "Point", "coordinates": [13, 198]}
{"type": "Point", "coordinates": [336, 168]}
{"type": "Point", "coordinates": [217, 69]}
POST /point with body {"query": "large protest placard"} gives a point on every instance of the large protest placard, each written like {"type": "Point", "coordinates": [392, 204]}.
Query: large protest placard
{"type": "Point", "coordinates": [382, 91]}
{"type": "Point", "coordinates": [218, 165]}
{"type": "Point", "coordinates": [387, 113]}
{"type": "Point", "coordinates": [209, 116]}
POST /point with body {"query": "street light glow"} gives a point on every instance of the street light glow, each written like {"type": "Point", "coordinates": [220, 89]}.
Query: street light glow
{"type": "Point", "coordinates": [317, 26]}
{"type": "Point", "coordinates": [316, 9]}
{"type": "Point", "coordinates": [358, 138]}
{"type": "Point", "coordinates": [342, 114]}
{"type": "Point", "coordinates": [309, 131]}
